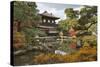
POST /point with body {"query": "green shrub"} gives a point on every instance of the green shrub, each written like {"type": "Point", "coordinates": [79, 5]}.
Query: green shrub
{"type": "Point", "coordinates": [90, 39]}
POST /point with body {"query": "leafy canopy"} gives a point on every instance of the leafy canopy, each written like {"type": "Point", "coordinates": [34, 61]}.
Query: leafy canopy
{"type": "Point", "coordinates": [80, 20]}
{"type": "Point", "coordinates": [25, 11]}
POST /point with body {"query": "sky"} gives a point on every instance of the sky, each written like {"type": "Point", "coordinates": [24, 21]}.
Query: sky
{"type": "Point", "coordinates": [56, 9]}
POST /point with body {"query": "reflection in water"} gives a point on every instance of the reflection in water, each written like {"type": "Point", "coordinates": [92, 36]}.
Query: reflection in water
{"type": "Point", "coordinates": [59, 46]}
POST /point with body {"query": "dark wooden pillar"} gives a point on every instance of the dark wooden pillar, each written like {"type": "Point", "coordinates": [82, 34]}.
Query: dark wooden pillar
{"type": "Point", "coordinates": [54, 21]}
{"type": "Point", "coordinates": [50, 21]}
{"type": "Point", "coordinates": [42, 20]}
{"type": "Point", "coordinates": [46, 20]}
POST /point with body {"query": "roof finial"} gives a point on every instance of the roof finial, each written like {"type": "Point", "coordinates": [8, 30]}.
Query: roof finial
{"type": "Point", "coordinates": [45, 12]}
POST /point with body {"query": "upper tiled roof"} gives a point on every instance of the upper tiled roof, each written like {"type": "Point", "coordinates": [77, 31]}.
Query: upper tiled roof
{"type": "Point", "coordinates": [45, 13]}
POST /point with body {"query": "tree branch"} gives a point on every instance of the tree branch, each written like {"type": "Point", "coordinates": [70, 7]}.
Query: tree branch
{"type": "Point", "coordinates": [91, 25]}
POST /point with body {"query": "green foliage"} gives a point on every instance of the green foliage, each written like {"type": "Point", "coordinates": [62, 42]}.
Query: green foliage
{"type": "Point", "coordinates": [63, 25]}
{"type": "Point", "coordinates": [67, 24]}
{"type": "Point", "coordinates": [72, 22]}
{"type": "Point", "coordinates": [27, 14]}
{"type": "Point", "coordinates": [89, 11]}
{"type": "Point", "coordinates": [30, 33]}
{"type": "Point", "coordinates": [93, 28]}
{"type": "Point", "coordinates": [88, 15]}
{"type": "Point", "coordinates": [64, 47]}
{"type": "Point", "coordinates": [25, 11]}
{"type": "Point", "coordinates": [70, 13]}
{"type": "Point", "coordinates": [91, 40]}
{"type": "Point", "coordinates": [86, 21]}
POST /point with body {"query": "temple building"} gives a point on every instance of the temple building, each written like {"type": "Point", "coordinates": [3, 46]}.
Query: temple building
{"type": "Point", "coordinates": [48, 23]}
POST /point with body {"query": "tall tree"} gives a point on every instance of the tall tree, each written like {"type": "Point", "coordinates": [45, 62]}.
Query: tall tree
{"type": "Point", "coordinates": [88, 17]}
{"type": "Point", "coordinates": [80, 20]}
{"type": "Point", "coordinates": [27, 18]}
{"type": "Point", "coordinates": [67, 24]}
{"type": "Point", "coordinates": [70, 21]}
{"type": "Point", "coordinates": [25, 12]}
{"type": "Point", "coordinates": [71, 13]}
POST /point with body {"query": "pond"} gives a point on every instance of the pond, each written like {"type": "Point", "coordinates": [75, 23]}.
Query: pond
{"type": "Point", "coordinates": [26, 58]}
{"type": "Point", "coordinates": [55, 45]}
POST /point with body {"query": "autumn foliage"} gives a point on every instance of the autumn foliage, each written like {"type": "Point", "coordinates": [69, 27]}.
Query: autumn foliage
{"type": "Point", "coordinates": [84, 54]}
{"type": "Point", "coordinates": [18, 40]}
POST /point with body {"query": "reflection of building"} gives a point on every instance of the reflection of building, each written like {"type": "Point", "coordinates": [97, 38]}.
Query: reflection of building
{"type": "Point", "coordinates": [48, 23]}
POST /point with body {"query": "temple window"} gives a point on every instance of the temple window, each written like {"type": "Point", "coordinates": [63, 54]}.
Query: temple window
{"type": "Point", "coordinates": [49, 21]}
{"type": "Point", "coordinates": [44, 20]}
